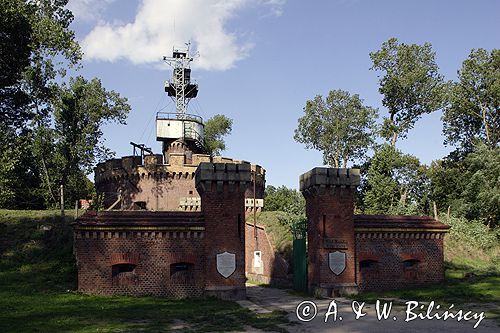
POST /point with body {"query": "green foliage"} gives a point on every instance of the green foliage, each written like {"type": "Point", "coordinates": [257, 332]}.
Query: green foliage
{"type": "Point", "coordinates": [35, 41]}
{"type": "Point", "coordinates": [216, 128]}
{"type": "Point", "coordinates": [81, 109]}
{"type": "Point", "coordinates": [481, 194]}
{"type": "Point", "coordinates": [472, 232]}
{"type": "Point", "coordinates": [15, 45]}
{"type": "Point", "coordinates": [283, 199]}
{"type": "Point", "coordinates": [411, 85]}
{"type": "Point", "coordinates": [19, 177]}
{"type": "Point", "coordinates": [289, 206]}
{"type": "Point", "coordinates": [473, 113]}
{"type": "Point", "coordinates": [340, 126]}
{"type": "Point", "coordinates": [470, 187]}
{"type": "Point", "coordinates": [68, 151]}
{"type": "Point", "coordinates": [447, 178]}
{"type": "Point", "coordinates": [37, 48]}
{"type": "Point", "coordinates": [396, 184]}
{"type": "Point", "coordinates": [278, 231]}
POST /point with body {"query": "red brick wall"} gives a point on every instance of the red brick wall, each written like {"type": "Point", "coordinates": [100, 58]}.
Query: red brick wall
{"type": "Point", "coordinates": [152, 253]}
{"type": "Point", "coordinates": [330, 217]}
{"type": "Point", "coordinates": [159, 186]}
{"type": "Point", "coordinates": [222, 189]}
{"type": "Point", "coordinates": [158, 191]}
{"type": "Point", "coordinates": [387, 255]}
{"type": "Point", "coordinates": [389, 252]}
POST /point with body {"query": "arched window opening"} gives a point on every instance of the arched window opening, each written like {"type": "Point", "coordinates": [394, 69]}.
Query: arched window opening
{"type": "Point", "coordinates": [123, 269]}
{"type": "Point", "coordinates": [182, 272]}
{"type": "Point", "coordinates": [411, 263]}
{"type": "Point", "coordinates": [123, 274]}
{"type": "Point", "coordinates": [368, 264]}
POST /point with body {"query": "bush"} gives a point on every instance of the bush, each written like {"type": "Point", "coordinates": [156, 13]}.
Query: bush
{"type": "Point", "coordinates": [473, 232]}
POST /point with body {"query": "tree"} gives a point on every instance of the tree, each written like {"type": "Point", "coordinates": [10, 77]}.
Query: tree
{"type": "Point", "coordinates": [411, 85]}
{"type": "Point", "coordinates": [448, 178]}
{"type": "Point", "coordinates": [284, 199]}
{"type": "Point", "coordinates": [15, 39]}
{"type": "Point", "coordinates": [289, 202]}
{"type": "Point", "coordinates": [216, 128]}
{"type": "Point", "coordinates": [396, 183]}
{"type": "Point", "coordinates": [481, 195]}
{"type": "Point", "coordinates": [473, 113]}
{"type": "Point", "coordinates": [81, 110]}
{"type": "Point", "coordinates": [340, 126]}
{"type": "Point", "coordinates": [19, 174]}
{"type": "Point", "coordinates": [470, 187]}
{"type": "Point", "coordinates": [37, 46]}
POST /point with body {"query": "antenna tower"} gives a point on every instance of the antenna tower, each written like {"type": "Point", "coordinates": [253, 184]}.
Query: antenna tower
{"type": "Point", "coordinates": [180, 126]}
{"type": "Point", "coordinates": [179, 87]}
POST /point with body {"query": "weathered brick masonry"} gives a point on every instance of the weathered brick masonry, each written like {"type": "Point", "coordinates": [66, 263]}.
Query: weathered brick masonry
{"type": "Point", "coordinates": [222, 188]}
{"type": "Point", "coordinates": [173, 253]}
{"type": "Point", "coordinates": [398, 251]}
{"type": "Point", "coordinates": [133, 183]}
{"type": "Point", "coordinates": [377, 252]}
{"type": "Point", "coordinates": [141, 253]}
{"type": "Point", "coordinates": [329, 208]}
{"type": "Point", "coordinates": [169, 254]}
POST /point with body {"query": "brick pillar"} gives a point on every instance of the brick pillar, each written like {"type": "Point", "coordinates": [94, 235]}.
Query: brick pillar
{"type": "Point", "coordinates": [331, 244]}
{"type": "Point", "coordinates": [222, 189]}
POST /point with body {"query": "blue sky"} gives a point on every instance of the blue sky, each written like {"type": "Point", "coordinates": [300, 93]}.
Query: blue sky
{"type": "Point", "coordinates": [261, 60]}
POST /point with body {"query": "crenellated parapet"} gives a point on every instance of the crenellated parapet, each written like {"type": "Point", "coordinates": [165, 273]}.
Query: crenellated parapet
{"type": "Point", "coordinates": [328, 178]}
{"type": "Point", "coordinates": [153, 166]}
{"type": "Point", "coordinates": [132, 182]}
{"type": "Point", "coordinates": [218, 176]}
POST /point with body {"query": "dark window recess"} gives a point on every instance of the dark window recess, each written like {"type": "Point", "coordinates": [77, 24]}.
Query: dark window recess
{"type": "Point", "coordinates": [122, 268]}
{"type": "Point", "coordinates": [411, 263]}
{"type": "Point", "coordinates": [190, 192]}
{"type": "Point", "coordinates": [179, 267]}
{"type": "Point", "coordinates": [368, 264]}
{"type": "Point", "coordinates": [182, 272]}
{"type": "Point", "coordinates": [140, 205]}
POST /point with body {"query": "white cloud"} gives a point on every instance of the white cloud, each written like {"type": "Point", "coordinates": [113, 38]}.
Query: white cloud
{"type": "Point", "coordinates": [161, 24]}
{"type": "Point", "coordinates": [276, 6]}
{"type": "Point", "coordinates": [88, 10]}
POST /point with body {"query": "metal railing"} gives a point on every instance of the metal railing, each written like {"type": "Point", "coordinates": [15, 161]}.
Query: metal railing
{"type": "Point", "coordinates": [178, 116]}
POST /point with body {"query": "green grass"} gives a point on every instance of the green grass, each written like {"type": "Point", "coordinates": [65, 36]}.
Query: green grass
{"type": "Point", "coordinates": [38, 282]}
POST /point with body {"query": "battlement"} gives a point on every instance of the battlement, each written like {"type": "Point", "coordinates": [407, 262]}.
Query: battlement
{"type": "Point", "coordinates": [220, 173]}
{"type": "Point", "coordinates": [177, 166]}
{"type": "Point", "coordinates": [329, 177]}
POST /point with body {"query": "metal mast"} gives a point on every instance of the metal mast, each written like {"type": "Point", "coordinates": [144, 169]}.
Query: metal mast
{"type": "Point", "coordinates": [180, 87]}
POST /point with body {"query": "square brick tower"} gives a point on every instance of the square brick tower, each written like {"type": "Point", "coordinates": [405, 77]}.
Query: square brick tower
{"type": "Point", "coordinates": [329, 194]}
{"type": "Point", "coordinates": [222, 189]}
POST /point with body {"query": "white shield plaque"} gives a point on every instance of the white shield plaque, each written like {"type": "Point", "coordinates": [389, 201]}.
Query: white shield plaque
{"type": "Point", "coordinates": [226, 264]}
{"type": "Point", "coordinates": [336, 262]}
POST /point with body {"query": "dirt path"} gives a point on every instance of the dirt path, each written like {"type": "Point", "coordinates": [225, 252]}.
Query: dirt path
{"type": "Point", "coordinates": [277, 299]}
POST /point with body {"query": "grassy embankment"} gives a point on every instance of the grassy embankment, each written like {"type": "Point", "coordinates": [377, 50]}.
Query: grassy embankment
{"type": "Point", "coordinates": [38, 282]}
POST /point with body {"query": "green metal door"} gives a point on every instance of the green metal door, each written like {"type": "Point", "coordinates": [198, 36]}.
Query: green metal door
{"type": "Point", "coordinates": [299, 230]}
{"type": "Point", "coordinates": [299, 265]}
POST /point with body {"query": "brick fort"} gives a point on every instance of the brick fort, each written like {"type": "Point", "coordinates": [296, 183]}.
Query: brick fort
{"type": "Point", "coordinates": [176, 224]}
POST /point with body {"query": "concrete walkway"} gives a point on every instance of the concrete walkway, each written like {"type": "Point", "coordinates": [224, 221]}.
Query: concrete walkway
{"type": "Point", "coordinates": [268, 299]}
